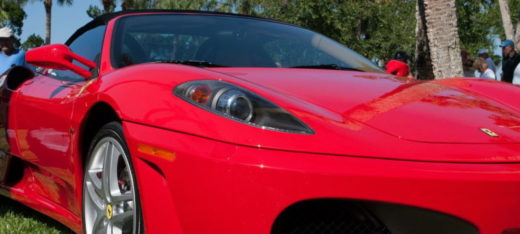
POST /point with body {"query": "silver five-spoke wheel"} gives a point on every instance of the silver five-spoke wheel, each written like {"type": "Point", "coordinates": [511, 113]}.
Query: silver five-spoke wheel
{"type": "Point", "coordinates": [109, 191]}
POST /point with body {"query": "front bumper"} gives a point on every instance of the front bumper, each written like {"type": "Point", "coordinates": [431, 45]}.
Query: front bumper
{"type": "Point", "coordinates": [217, 187]}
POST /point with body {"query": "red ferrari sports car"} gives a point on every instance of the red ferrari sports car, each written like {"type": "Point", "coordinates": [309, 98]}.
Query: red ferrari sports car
{"type": "Point", "coordinates": [198, 122]}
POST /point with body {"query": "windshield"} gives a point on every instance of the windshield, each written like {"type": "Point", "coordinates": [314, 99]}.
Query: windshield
{"type": "Point", "coordinates": [227, 41]}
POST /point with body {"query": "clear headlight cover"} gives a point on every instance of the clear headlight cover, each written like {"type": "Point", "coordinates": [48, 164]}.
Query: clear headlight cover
{"type": "Point", "coordinates": [239, 104]}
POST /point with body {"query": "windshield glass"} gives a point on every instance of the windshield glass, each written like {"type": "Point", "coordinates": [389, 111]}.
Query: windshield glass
{"type": "Point", "coordinates": [229, 41]}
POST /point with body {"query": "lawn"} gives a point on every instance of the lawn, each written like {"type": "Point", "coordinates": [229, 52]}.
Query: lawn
{"type": "Point", "coordinates": [16, 218]}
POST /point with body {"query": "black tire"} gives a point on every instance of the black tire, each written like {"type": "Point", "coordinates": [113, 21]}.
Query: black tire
{"type": "Point", "coordinates": [110, 191]}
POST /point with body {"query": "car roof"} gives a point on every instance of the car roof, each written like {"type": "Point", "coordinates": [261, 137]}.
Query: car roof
{"type": "Point", "coordinates": [105, 18]}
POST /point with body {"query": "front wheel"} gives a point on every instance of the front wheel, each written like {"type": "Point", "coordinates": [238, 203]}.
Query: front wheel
{"type": "Point", "coordinates": [110, 196]}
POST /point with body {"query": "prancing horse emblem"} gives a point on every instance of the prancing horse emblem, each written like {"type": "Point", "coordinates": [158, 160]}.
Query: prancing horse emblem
{"type": "Point", "coordinates": [489, 132]}
{"type": "Point", "coordinates": [109, 211]}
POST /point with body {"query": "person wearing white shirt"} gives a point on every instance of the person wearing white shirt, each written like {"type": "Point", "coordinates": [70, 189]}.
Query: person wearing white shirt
{"type": "Point", "coordinates": [485, 72]}
{"type": "Point", "coordinates": [488, 74]}
{"type": "Point", "coordinates": [483, 53]}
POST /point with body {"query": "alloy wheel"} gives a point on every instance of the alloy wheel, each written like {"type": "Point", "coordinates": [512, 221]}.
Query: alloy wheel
{"type": "Point", "coordinates": [109, 191]}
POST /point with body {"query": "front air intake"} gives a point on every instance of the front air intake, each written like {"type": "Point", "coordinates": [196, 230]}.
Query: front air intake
{"type": "Point", "coordinates": [327, 217]}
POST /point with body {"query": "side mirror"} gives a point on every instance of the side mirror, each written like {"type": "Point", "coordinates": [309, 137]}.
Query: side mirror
{"type": "Point", "coordinates": [58, 56]}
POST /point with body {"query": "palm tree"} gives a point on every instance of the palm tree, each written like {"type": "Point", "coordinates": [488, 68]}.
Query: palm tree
{"type": "Point", "coordinates": [506, 19]}
{"type": "Point", "coordinates": [48, 15]}
{"type": "Point", "coordinates": [108, 5]}
{"type": "Point", "coordinates": [423, 61]}
{"type": "Point", "coordinates": [508, 25]}
{"type": "Point", "coordinates": [440, 22]}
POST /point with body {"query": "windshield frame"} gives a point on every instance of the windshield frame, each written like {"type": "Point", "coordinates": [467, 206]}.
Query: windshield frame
{"type": "Point", "coordinates": [118, 30]}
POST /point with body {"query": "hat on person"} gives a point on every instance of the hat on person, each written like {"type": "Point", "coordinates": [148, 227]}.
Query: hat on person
{"type": "Point", "coordinates": [507, 43]}
{"type": "Point", "coordinates": [401, 54]}
{"type": "Point", "coordinates": [6, 32]}
{"type": "Point", "coordinates": [482, 51]}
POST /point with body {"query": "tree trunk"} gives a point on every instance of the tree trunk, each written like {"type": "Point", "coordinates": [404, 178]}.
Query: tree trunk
{"type": "Point", "coordinates": [506, 19]}
{"type": "Point", "coordinates": [443, 37]}
{"type": "Point", "coordinates": [48, 16]}
{"type": "Point", "coordinates": [517, 35]}
{"type": "Point", "coordinates": [423, 61]}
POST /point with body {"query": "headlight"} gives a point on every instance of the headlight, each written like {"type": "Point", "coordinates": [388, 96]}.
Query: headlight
{"type": "Point", "coordinates": [239, 104]}
{"type": "Point", "coordinates": [233, 103]}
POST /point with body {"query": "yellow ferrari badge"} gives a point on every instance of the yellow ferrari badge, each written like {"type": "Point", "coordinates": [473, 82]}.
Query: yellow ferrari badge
{"type": "Point", "coordinates": [109, 211]}
{"type": "Point", "coordinates": [489, 132]}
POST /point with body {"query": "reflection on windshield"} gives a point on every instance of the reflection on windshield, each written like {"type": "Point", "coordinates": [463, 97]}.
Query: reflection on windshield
{"type": "Point", "coordinates": [230, 41]}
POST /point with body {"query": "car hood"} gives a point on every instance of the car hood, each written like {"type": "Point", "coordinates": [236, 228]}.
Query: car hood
{"type": "Point", "coordinates": [353, 114]}
{"type": "Point", "coordinates": [430, 112]}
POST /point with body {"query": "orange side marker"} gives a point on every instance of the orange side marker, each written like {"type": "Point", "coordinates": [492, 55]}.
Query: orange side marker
{"type": "Point", "coordinates": [157, 152]}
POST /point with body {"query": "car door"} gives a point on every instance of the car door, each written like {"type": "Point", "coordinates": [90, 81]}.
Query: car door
{"type": "Point", "coordinates": [40, 121]}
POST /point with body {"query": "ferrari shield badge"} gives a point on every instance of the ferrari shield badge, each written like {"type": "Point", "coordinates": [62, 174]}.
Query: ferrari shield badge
{"type": "Point", "coordinates": [489, 132]}
{"type": "Point", "coordinates": [109, 211]}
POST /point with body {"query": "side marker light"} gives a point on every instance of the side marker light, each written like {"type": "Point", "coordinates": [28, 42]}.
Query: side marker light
{"type": "Point", "coordinates": [157, 152]}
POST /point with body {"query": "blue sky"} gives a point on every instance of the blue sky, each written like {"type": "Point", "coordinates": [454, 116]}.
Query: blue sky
{"type": "Point", "coordinates": [65, 19]}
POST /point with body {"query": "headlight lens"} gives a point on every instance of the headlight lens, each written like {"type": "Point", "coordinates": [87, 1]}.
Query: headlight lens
{"type": "Point", "coordinates": [234, 103]}
{"type": "Point", "coordinates": [239, 104]}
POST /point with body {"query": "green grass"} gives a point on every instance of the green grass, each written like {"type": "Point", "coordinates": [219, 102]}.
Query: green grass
{"type": "Point", "coordinates": [16, 218]}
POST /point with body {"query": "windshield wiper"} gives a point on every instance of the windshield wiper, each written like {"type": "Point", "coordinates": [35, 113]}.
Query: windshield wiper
{"type": "Point", "coordinates": [197, 63]}
{"type": "Point", "coordinates": [327, 66]}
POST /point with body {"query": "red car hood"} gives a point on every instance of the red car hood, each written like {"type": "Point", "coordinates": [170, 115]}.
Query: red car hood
{"type": "Point", "coordinates": [432, 112]}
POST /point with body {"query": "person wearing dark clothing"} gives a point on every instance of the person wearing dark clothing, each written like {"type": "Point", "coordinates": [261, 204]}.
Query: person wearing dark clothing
{"type": "Point", "coordinates": [510, 60]}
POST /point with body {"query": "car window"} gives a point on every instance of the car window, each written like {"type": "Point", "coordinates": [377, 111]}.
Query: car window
{"type": "Point", "coordinates": [87, 45]}
{"type": "Point", "coordinates": [140, 47]}
{"type": "Point", "coordinates": [231, 41]}
{"type": "Point", "coordinates": [294, 53]}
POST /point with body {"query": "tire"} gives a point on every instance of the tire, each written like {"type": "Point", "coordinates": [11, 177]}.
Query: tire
{"type": "Point", "coordinates": [110, 203]}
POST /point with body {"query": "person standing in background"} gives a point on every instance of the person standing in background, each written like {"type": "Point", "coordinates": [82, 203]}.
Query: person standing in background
{"type": "Point", "coordinates": [510, 60]}
{"type": "Point", "coordinates": [10, 55]}
{"type": "Point", "coordinates": [399, 65]}
{"type": "Point", "coordinates": [485, 72]}
{"type": "Point", "coordinates": [483, 53]}
{"type": "Point", "coordinates": [467, 64]}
